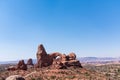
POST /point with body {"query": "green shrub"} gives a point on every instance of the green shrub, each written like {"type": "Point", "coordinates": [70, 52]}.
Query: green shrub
{"type": "Point", "coordinates": [52, 77]}
{"type": "Point", "coordinates": [32, 78]}
{"type": "Point", "coordinates": [87, 74]}
{"type": "Point", "coordinates": [107, 74]}
{"type": "Point", "coordinates": [39, 78]}
{"type": "Point", "coordinates": [119, 70]}
{"type": "Point", "coordinates": [71, 77]}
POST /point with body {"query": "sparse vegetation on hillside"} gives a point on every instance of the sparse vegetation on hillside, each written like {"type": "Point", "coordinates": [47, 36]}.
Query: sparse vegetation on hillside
{"type": "Point", "coordinates": [56, 74]}
{"type": "Point", "coordinates": [89, 72]}
{"type": "Point", "coordinates": [111, 71]}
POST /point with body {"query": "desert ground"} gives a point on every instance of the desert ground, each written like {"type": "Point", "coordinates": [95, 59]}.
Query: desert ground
{"type": "Point", "coordinates": [88, 72]}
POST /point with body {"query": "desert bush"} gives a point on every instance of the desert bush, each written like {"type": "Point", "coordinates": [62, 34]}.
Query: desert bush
{"type": "Point", "coordinates": [39, 78]}
{"type": "Point", "coordinates": [32, 78]}
{"type": "Point", "coordinates": [52, 77]}
{"type": "Point", "coordinates": [87, 74]}
{"type": "Point", "coordinates": [70, 77]}
{"type": "Point", "coordinates": [107, 74]}
{"type": "Point", "coordinates": [119, 70]}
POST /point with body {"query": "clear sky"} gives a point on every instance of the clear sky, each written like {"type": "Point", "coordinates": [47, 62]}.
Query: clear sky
{"type": "Point", "coordinates": [86, 27]}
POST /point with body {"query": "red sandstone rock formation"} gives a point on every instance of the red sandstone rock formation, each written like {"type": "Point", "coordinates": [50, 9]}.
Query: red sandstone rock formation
{"type": "Point", "coordinates": [72, 56]}
{"type": "Point", "coordinates": [21, 65]}
{"type": "Point", "coordinates": [11, 68]}
{"type": "Point", "coordinates": [63, 57]}
{"type": "Point", "coordinates": [55, 60]}
{"type": "Point", "coordinates": [58, 65]}
{"type": "Point", "coordinates": [42, 57]}
{"type": "Point", "coordinates": [41, 53]}
{"type": "Point", "coordinates": [30, 62]}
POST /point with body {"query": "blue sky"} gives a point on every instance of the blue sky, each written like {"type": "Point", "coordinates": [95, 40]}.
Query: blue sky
{"type": "Point", "coordinates": [86, 27]}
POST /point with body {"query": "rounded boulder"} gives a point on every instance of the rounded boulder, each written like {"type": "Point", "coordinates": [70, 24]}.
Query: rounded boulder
{"type": "Point", "coordinates": [15, 77]}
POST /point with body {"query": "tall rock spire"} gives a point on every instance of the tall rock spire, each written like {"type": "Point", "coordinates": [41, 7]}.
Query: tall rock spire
{"type": "Point", "coordinates": [41, 52]}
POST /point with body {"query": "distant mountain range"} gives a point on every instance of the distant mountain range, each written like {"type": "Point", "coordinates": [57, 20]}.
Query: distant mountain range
{"type": "Point", "coordinates": [98, 59]}
{"type": "Point", "coordinates": [14, 62]}
{"type": "Point", "coordinates": [8, 62]}
{"type": "Point", "coordinates": [82, 60]}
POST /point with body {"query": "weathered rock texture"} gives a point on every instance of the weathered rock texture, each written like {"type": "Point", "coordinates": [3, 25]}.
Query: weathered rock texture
{"type": "Point", "coordinates": [11, 68]}
{"type": "Point", "coordinates": [21, 65]}
{"type": "Point", "coordinates": [30, 62]}
{"type": "Point", "coordinates": [55, 60]}
{"type": "Point", "coordinates": [43, 59]}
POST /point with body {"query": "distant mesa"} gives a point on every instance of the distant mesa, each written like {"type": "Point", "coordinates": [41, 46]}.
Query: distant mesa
{"type": "Point", "coordinates": [54, 60]}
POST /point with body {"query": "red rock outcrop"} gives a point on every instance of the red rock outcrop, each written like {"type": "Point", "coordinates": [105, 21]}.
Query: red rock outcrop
{"type": "Point", "coordinates": [72, 56]}
{"type": "Point", "coordinates": [72, 63]}
{"type": "Point", "coordinates": [11, 68]}
{"type": "Point", "coordinates": [58, 65]}
{"type": "Point", "coordinates": [30, 62]}
{"type": "Point", "coordinates": [41, 53]}
{"type": "Point", "coordinates": [42, 57]}
{"type": "Point", "coordinates": [63, 57]}
{"type": "Point", "coordinates": [55, 60]}
{"type": "Point", "coordinates": [21, 65]}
